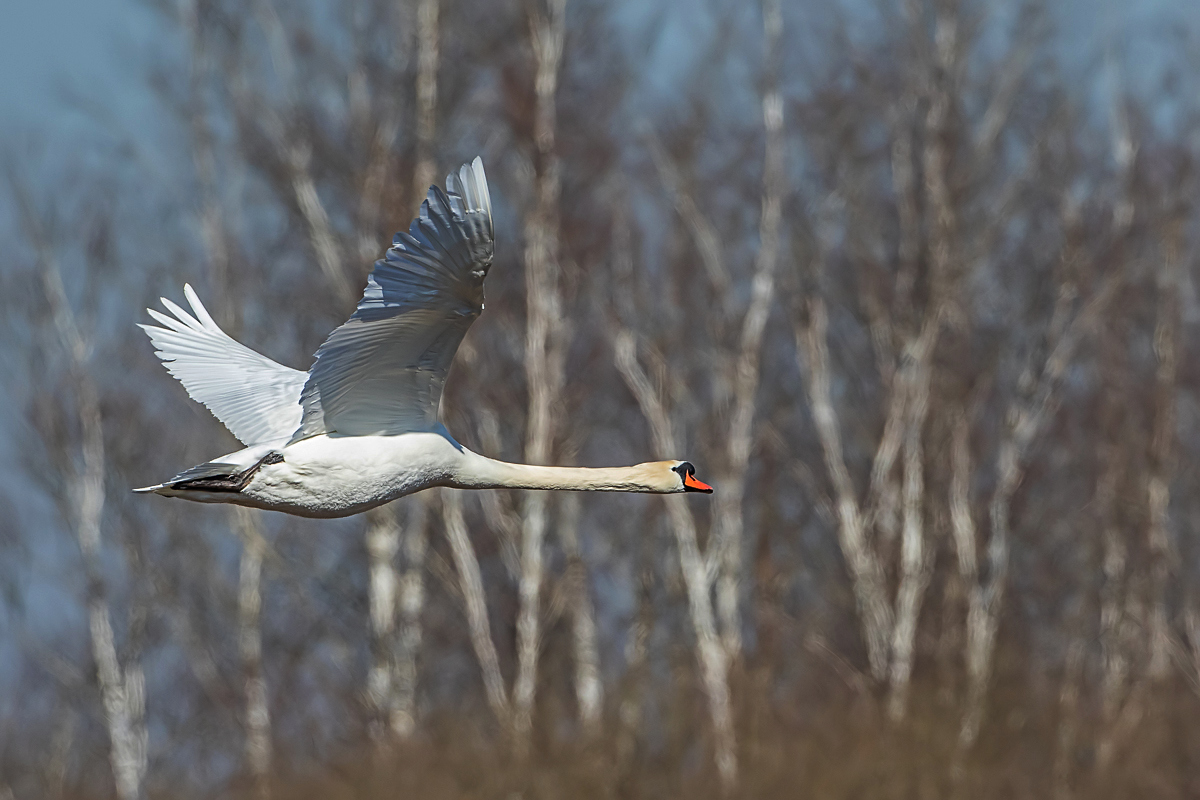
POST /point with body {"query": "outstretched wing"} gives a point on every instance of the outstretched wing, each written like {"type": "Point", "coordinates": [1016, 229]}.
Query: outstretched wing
{"type": "Point", "coordinates": [257, 399]}
{"type": "Point", "coordinates": [382, 372]}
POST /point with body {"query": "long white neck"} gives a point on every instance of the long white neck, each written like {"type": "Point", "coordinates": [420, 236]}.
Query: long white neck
{"type": "Point", "coordinates": [479, 472]}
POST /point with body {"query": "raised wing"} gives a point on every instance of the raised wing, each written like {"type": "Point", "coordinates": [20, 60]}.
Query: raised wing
{"type": "Point", "coordinates": [257, 399]}
{"type": "Point", "coordinates": [382, 372]}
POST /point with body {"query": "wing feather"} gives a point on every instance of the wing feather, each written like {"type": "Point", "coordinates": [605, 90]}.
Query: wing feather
{"type": "Point", "coordinates": [382, 372]}
{"type": "Point", "coordinates": [257, 399]}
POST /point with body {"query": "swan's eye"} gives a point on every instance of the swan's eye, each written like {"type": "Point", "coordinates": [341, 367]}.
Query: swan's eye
{"type": "Point", "coordinates": [685, 469]}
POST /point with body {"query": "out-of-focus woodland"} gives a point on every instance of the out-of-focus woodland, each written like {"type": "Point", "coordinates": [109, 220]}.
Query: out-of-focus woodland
{"type": "Point", "coordinates": [916, 298]}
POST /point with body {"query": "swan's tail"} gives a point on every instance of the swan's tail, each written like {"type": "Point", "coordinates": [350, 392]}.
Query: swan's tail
{"type": "Point", "coordinates": [217, 476]}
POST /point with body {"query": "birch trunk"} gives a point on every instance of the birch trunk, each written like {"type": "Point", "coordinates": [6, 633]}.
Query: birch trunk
{"type": "Point", "coordinates": [122, 688]}
{"type": "Point", "coordinates": [1027, 417]}
{"type": "Point", "coordinates": [890, 627]}
{"type": "Point", "coordinates": [475, 605]}
{"type": "Point", "coordinates": [402, 718]}
{"type": "Point", "coordinates": [391, 680]}
{"type": "Point", "coordinates": [589, 690]}
{"type": "Point", "coordinates": [1068, 719]}
{"type": "Point", "coordinates": [396, 601]}
{"type": "Point", "coordinates": [710, 653]}
{"type": "Point", "coordinates": [1158, 481]}
{"type": "Point", "coordinates": [1122, 617]}
{"type": "Point", "coordinates": [383, 541]}
{"type": "Point", "coordinates": [258, 715]}
{"type": "Point", "coordinates": [728, 529]}
{"type": "Point", "coordinates": [916, 565]}
{"type": "Point", "coordinates": [543, 352]}
{"type": "Point", "coordinates": [916, 367]}
{"type": "Point", "coordinates": [866, 572]}
{"type": "Point", "coordinates": [629, 710]}
{"type": "Point", "coordinates": [427, 67]}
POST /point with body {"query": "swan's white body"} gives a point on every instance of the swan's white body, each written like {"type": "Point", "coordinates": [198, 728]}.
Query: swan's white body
{"type": "Point", "coordinates": [336, 476]}
{"type": "Point", "coordinates": [360, 428]}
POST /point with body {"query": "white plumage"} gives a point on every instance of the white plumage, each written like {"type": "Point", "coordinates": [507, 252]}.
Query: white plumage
{"type": "Point", "coordinates": [256, 398]}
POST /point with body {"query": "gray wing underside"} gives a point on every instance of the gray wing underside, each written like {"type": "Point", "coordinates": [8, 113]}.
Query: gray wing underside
{"type": "Point", "coordinates": [257, 399]}
{"type": "Point", "coordinates": [382, 372]}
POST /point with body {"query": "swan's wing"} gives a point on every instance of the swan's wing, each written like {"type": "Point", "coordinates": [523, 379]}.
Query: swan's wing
{"type": "Point", "coordinates": [256, 398]}
{"type": "Point", "coordinates": [383, 371]}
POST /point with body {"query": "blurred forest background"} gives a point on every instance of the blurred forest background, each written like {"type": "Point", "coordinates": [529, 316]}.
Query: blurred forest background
{"type": "Point", "coordinates": [911, 284]}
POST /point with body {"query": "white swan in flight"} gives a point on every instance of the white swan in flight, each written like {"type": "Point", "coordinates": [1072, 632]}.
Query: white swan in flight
{"type": "Point", "coordinates": [361, 428]}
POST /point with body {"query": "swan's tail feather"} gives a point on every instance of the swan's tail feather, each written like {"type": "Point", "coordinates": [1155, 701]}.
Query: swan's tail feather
{"type": "Point", "coordinates": [214, 476]}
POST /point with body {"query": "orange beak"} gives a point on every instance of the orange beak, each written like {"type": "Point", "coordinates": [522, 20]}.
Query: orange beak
{"type": "Point", "coordinates": [693, 485]}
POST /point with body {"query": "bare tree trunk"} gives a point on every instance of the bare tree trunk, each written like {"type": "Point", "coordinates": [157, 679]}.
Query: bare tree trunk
{"type": "Point", "coordinates": [122, 689]}
{"type": "Point", "coordinates": [890, 628]}
{"type": "Point", "coordinates": [629, 710]}
{"type": "Point", "coordinates": [123, 692]}
{"type": "Point", "coordinates": [396, 601]}
{"type": "Point", "coordinates": [57, 760]}
{"type": "Point", "coordinates": [1114, 624]}
{"type": "Point", "coordinates": [728, 529]}
{"type": "Point", "coordinates": [589, 690]}
{"type": "Point", "coordinates": [1191, 625]}
{"type": "Point", "coordinates": [711, 654]}
{"type": "Point", "coordinates": [391, 681]}
{"type": "Point", "coordinates": [427, 68]}
{"type": "Point", "coordinates": [1123, 635]}
{"type": "Point", "coordinates": [915, 372]}
{"type": "Point", "coordinates": [383, 540]}
{"type": "Point", "coordinates": [1027, 418]}
{"type": "Point", "coordinates": [258, 714]}
{"type": "Point", "coordinates": [1068, 718]}
{"type": "Point", "coordinates": [395, 643]}
{"type": "Point", "coordinates": [475, 605]}
{"type": "Point", "coordinates": [866, 572]}
{"type": "Point", "coordinates": [916, 565]}
{"type": "Point", "coordinates": [544, 351]}
{"type": "Point", "coordinates": [1162, 445]}
{"type": "Point", "coordinates": [403, 716]}
{"type": "Point", "coordinates": [257, 718]}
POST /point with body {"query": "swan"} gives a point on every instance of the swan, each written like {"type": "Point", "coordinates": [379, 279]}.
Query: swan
{"type": "Point", "coordinates": [361, 427]}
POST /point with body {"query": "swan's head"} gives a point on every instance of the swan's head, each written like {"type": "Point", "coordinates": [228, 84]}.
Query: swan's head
{"type": "Point", "coordinates": [685, 478]}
